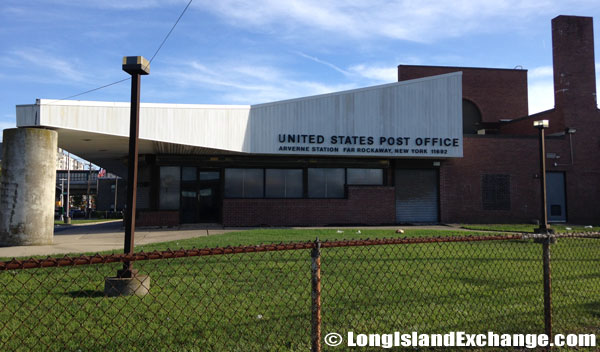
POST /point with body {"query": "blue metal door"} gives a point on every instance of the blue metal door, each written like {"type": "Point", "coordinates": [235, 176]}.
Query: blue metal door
{"type": "Point", "coordinates": [556, 199]}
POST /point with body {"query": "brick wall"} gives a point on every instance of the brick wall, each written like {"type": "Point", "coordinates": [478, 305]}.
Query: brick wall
{"type": "Point", "coordinates": [157, 218]}
{"type": "Point", "coordinates": [368, 205]}
{"type": "Point", "coordinates": [460, 180]}
{"type": "Point", "coordinates": [574, 65]}
{"type": "Point", "coordinates": [498, 93]}
{"type": "Point", "coordinates": [518, 157]}
{"type": "Point", "coordinates": [524, 126]}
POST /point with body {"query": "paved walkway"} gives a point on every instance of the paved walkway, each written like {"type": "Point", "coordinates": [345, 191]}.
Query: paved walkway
{"type": "Point", "coordinates": [104, 237]}
{"type": "Point", "coordinates": [109, 236]}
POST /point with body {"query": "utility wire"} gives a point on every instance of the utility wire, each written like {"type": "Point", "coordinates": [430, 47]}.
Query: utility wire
{"type": "Point", "coordinates": [128, 78]}
{"type": "Point", "coordinates": [172, 28]}
{"type": "Point", "coordinates": [92, 90]}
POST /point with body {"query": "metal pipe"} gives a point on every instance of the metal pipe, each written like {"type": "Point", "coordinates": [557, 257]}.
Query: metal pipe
{"type": "Point", "coordinates": [547, 288]}
{"type": "Point", "coordinates": [316, 297]}
{"type": "Point", "coordinates": [116, 186]}
{"type": "Point", "coordinates": [544, 216]}
{"type": "Point", "coordinates": [68, 186]}
{"type": "Point", "coordinates": [134, 121]}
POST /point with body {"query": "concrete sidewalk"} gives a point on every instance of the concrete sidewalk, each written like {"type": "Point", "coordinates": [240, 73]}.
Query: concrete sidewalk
{"type": "Point", "coordinates": [107, 236]}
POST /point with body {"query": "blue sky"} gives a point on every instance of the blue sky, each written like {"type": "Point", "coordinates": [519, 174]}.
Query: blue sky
{"type": "Point", "coordinates": [250, 52]}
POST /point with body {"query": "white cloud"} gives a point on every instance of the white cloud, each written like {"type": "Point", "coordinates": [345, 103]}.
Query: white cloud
{"type": "Point", "coordinates": [420, 21]}
{"type": "Point", "coordinates": [540, 89]}
{"type": "Point", "coordinates": [117, 4]}
{"type": "Point", "coordinates": [47, 61]}
{"type": "Point", "coordinates": [540, 72]}
{"type": "Point", "coordinates": [541, 96]}
{"type": "Point", "coordinates": [247, 83]}
{"type": "Point", "coordinates": [326, 63]}
{"type": "Point", "coordinates": [382, 74]}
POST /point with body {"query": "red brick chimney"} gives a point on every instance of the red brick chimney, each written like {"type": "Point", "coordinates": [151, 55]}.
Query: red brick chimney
{"type": "Point", "coordinates": [574, 66]}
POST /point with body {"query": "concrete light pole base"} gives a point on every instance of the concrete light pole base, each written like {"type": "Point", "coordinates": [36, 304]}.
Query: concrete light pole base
{"type": "Point", "coordinates": [138, 285]}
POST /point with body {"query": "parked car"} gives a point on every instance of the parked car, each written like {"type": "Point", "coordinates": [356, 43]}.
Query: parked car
{"type": "Point", "coordinates": [77, 213]}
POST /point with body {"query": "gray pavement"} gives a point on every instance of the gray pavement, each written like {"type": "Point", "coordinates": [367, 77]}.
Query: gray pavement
{"type": "Point", "coordinates": [105, 237]}
{"type": "Point", "coordinates": [108, 236]}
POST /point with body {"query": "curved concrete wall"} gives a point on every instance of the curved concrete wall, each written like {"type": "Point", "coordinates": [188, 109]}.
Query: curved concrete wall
{"type": "Point", "coordinates": [27, 190]}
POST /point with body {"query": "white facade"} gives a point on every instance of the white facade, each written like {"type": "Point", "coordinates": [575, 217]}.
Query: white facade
{"type": "Point", "coordinates": [411, 119]}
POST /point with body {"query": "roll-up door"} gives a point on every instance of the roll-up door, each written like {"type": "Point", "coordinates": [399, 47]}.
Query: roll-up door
{"type": "Point", "coordinates": [416, 195]}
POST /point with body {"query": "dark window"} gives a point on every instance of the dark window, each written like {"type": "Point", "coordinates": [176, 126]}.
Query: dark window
{"type": "Point", "coordinates": [495, 192]}
{"type": "Point", "coordinates": [326, 183]}
{"type": "Point", "coordinates": [365, 176]}
{"type": "Point", "coordinates": [471, 117]}
{"type": "Point", "coordinates": [244, 183]}
{"type": "Point", "coordinates": [169, 187]}
{"type": "Point", "coordinates": [209, 175]}
{"type": "Point", "coordinates": [188, 174]}
{"type": "Point", "coordinates": [283, 183]}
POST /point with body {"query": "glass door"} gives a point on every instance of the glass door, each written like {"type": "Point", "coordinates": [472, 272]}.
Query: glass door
{"type": "Point", "coordinates": [209, 196]}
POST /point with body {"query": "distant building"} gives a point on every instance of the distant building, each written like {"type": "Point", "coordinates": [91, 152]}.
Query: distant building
{"type": "Point", "coordinates": [65, 161]}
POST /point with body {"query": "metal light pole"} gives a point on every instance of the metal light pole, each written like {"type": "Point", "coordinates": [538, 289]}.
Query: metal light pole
{"type": "Point", "coordinates": [88, 204]}
{"type": "Point", "coordinates": [68, 218]}
{"type": "Point", "coordinates": [544, 229]}
{"type": "Point", "coordinates": [541, 125]}
{"type": "Point", "coordinates": [136, 66]}
{"type": "Point", "coordinates": [116, 186]}
{"type": "Point", "coordinates": [62, 204]}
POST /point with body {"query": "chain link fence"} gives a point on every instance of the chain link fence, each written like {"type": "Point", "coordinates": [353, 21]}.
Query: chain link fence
{"type": "Point", "coordinates": [286, 297]}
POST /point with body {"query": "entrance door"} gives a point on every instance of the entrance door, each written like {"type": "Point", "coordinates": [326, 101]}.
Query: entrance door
{"type": "Point", "coordinates": [555, 193]}
{"type": "Point", "coordinates": [209, 196]}
{"type": "Point", "coordinates": [200, 195]}
{"type": "Point", "coordinates": [416, 195]}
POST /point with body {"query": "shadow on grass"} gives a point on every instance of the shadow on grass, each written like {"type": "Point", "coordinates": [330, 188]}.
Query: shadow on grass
{"type": "Point", "coordinates": [86, 294]}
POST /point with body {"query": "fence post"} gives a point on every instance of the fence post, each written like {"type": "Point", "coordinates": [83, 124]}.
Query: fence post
{"type": "Point", "coordinates": [547, 287]}
{"type": "Point", "coordinates": [316, 297]}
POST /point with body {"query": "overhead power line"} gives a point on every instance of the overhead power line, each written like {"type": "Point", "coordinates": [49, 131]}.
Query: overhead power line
{"type": "Point", "coordinates": [172, 28]}
{"type": "Point", "coordinates": [128, 78]}
{"type": "Point", "coordinates": [92, 90]}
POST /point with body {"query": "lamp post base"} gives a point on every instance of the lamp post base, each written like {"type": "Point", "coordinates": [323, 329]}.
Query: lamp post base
{"type": "Point", "coordinates": [138, 285]}
{"type": "Point", "coordinates": [542, 230]}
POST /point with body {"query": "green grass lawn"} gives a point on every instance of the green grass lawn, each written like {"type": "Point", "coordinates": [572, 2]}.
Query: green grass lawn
{"type": "Point", "coordinates": [260, 236]}
{"type": "Point", "coordinates": [261, 301]}
{"type": "Point", "coordinates": [559, 228]}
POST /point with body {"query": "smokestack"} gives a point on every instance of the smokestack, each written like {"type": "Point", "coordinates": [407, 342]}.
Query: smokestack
{"type": "Point", "coordinates": [574, 66]}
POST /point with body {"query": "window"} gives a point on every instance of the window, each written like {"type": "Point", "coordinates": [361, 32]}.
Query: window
{"type": "Point", "coordinates": [209, 175]}
{"type": "Point", "coordinates": [169, 187]}
{"type": "Point", "coordinates": [188, 174]}
{"type": "Point", "coordinates": [471, 117]}
{"type": "Point", "coordinates": [326, 183]}
{"type": "Point", "coordinates": [283, 183]}
{"type": "Point", "coordinates": [244, 183]}
{"type": "Point", "coordinates": [495, 192]}
{"type": "Point", "coordinates": [365, 176]}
